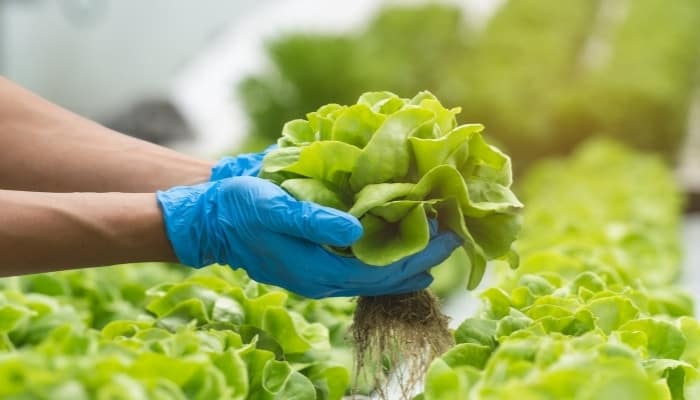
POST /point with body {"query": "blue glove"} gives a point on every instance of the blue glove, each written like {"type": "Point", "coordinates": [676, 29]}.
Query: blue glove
{"type": "Point", "coordinates": [248, 164]}
{"type": "Point", "coordinates": [251, 223]}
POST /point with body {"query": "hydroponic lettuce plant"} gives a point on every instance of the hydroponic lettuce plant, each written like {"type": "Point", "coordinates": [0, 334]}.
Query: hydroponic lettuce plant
{"type": "Point", "coordinates": [395, 164]}
{"type": "Point", "coordinates": [213, 335]}
{"type": "Point", "coordinates": [590, 313]}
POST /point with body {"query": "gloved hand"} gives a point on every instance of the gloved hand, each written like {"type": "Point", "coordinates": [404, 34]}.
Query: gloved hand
{"type": "Point", "coordinates": [251, 223]}
{"type": "Point", "coordinates": [247, 164]}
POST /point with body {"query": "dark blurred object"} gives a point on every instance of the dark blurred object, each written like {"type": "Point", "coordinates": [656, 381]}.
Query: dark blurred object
{"type": "Point", "coordinates": [693, 202]}
{"type": "Point", "coordinates": [689, 169]}
{"type": "Point", "coordinates": [153, 120]}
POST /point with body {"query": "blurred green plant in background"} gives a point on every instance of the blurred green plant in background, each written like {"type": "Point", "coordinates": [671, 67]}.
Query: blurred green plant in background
{"type": "Point", "coordinates": [541, 75]}
{"type": "Point", "coordinates": [521, 68]}
{"type": "Point", "coordinates": [402, 50]}
{"type": "Point", "coordinates": [640, 91]}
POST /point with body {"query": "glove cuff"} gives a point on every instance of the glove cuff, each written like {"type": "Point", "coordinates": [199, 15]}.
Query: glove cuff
{"type": "Point", "coordinates": [242, 165]}
{"type": "Point", "coordinates": [224, 168]}
{"type": "Point", "coordinates": [248, 164]}
{"type": "Point", "coordinates": [183, 209]}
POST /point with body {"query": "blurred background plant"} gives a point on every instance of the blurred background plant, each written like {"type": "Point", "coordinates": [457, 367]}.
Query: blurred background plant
{"type": "Point", "coordinates": [542, 76]}
{"type": "Point", "coordinates": [403, 50]}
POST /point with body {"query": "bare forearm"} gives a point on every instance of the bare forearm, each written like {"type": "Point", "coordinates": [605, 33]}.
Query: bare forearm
{"type": "Point", "coordinates": [46, 148]}
{"type": "Point", "coordinates": [52, 231]}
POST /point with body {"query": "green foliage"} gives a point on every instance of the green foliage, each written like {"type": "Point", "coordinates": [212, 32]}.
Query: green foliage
{"type": "Point", "coordinates": [588, 315]}
{"type": "Point", "coordinates": [521, 66]}
{"type": "Point", "coordinates": [633, 228]}
{"type": "Point", "coordinates": [272, 100]}
{"type": "Point", "coordinates": [394, 163]}
{"type": "Point", "coordinates": [214, 334]}
{"type": "Point", "coordinates": [542, 75]}
{"type": "Point", "coordinates": [640, 92]}
{"type": "Point", "coordinates": [312, 70]}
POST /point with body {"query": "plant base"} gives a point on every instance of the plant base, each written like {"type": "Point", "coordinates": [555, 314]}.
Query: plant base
{"type": "Point", "coordinates": [400, 334]}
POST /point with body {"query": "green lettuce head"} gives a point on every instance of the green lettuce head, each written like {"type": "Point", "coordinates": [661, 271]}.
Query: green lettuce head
{"type": "Point", "coordinates": [394, 164]}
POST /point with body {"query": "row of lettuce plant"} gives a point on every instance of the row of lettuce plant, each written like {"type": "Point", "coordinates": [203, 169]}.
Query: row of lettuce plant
{"type": "Point", "coordinates": [121, 333]}
{"type": "Point", "coordinates": [591, 313]}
